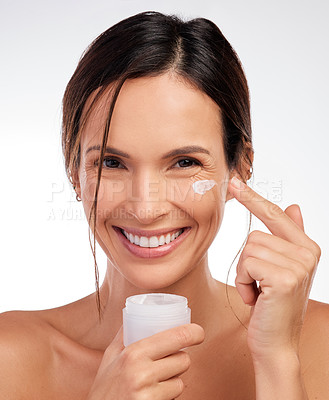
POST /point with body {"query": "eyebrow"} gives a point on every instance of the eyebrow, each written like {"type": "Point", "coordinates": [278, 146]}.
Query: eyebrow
{"type": "Point", "coordinates": [172, 153]}
{"type": "Point", "coordinates": [185, 150]}
{"type": "Point", "coordinates": [112, 150]}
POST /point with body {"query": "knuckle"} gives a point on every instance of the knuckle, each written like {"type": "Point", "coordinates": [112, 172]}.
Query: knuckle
{"type": "Point", "coordinates": [129, 355]}
{"type": "Point", "coordinates": [248, 261]}
{"type": "Point", "coordinates": [307, 255]}
{"type": "Point", "coordinates": [289, 281]}
{"type": "Point", "coordinates": [249, 248]}
{"type": "Point", "coordinates": [317, 251]}
{"type": "Point", "coordinates": [302, 273]}
{"type": "Point", "coordinates": [254, 235]}
{"type": "Point", "coordinates": [141, 379]}
{"type": "Point", "coordinates": [273, 211]}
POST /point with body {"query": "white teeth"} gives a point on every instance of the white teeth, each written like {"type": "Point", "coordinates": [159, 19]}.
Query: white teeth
{"type": "Point", "coordinates": [153, 241]}
{"type": "Point", "coordinates": [144, 242]}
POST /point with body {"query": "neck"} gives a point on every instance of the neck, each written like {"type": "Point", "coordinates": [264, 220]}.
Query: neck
{"type": "Point", "coordinates": [204, 295]}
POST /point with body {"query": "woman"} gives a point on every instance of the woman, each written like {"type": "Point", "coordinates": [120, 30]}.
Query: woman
{"type": "Point", "coordinates": [155, 105]}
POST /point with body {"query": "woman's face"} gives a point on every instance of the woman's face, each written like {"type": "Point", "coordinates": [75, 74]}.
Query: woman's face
{"type": "Point", "coordinates": [147, 177]}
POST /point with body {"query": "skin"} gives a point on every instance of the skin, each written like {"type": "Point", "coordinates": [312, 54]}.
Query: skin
{"type": "Point", "coordinates": [66, 353]}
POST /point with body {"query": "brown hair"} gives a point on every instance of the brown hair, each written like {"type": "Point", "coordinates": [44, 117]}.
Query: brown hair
{"type": "Point", "coordinates": [150, 44]}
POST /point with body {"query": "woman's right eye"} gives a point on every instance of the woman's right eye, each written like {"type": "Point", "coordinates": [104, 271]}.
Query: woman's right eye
{"type": "Point", "coordinates": [111, 163]}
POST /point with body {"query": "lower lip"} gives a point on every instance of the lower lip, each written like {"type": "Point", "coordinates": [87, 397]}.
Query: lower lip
{"type": "Point", "coordinates": [151, 252]}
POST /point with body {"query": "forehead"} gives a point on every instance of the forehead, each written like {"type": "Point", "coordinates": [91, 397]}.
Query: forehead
{"type": "Point", "coordinates": [159, 111]}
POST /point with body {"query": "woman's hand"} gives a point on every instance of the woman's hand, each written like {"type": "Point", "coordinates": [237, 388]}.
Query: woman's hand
{"type": "Point", "coordinates": [284, 264]}
{"type": "Point", "coordinates": [147, 369]}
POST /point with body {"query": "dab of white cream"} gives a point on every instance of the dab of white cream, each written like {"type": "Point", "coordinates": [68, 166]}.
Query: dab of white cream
{"type": "Point", "coordinates": [201, 187]}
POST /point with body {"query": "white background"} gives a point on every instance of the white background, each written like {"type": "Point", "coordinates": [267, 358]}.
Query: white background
{"type": "Point", "coordinates": [46, 260]}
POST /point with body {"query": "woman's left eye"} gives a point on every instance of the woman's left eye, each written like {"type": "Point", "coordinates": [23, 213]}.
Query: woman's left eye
{"type": "Point", "coordinates": [188, 162]}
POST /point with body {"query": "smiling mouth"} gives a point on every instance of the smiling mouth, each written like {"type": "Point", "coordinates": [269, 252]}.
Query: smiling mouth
{"type": "Point", "coordinates": [152, 241]}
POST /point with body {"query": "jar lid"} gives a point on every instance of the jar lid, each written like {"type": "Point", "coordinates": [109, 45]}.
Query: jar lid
{"type": "Point", "coordinates": [155, 304]}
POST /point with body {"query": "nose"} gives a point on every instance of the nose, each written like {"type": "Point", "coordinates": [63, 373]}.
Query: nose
{"type": "Point", "coordinates": [146, 197]}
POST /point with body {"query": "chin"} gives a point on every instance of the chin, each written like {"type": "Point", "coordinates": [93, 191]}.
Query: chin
{"type": "Point", "coordinates": [156, 281]}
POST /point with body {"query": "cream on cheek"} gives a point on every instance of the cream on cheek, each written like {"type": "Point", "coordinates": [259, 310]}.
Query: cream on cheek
{"type": "Point", "coordinates": [201, 187]}
{"type": "Point", "coordinates": [208, 205]}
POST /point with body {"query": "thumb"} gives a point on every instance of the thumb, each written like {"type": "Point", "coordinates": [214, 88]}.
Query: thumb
{"type": "Point", "coordinates": [115, 347]}
{"type": "Point", "coordinates": [293, 212]}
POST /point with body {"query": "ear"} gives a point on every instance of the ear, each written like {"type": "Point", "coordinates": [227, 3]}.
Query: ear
{"type": "Point", "coordinates": [242, 171]}
{"type": "Point", "coordinates": [76, 182]}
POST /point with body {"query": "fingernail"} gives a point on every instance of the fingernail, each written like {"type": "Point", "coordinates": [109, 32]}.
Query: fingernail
{"type": "Point", "coordinates": [237, 183]}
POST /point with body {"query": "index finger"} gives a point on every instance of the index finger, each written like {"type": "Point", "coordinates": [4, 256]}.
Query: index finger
{"type": "Point", "coordinates": [276, 220]}
{"type": "Point", "coordinates": [170, 341]}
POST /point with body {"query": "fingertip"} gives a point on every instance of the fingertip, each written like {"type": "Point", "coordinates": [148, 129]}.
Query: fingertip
{"type": "Point", "coordinates": [200, 332]}
{"type": "Point", "coordinates": [236, 183]}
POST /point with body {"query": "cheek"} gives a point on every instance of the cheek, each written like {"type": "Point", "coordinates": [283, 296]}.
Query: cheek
{"type": "Point", "coordinates": [209, 209]}
{"type": "Point", "coordinates": [206, 209]}
{"type": "Point", "coordinates": [106, 195]}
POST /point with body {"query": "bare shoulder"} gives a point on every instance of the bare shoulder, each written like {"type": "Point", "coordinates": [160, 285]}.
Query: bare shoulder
{"type": "Point", "coordinates": [42, 356]}
{"type": "Point", "coordinates": [314, 349]}
{"type": "Point", "coordinates": [24, 353]}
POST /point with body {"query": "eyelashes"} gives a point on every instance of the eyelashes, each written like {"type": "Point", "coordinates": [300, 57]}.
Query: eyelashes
{"type": "Point", "coordinates": [190, 160]}
{"type": "Point", "coordinates": [184, 163]}
{"type": "Point", "coordinates": [112, 163]}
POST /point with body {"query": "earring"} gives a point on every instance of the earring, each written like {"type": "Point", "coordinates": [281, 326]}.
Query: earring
{"type": "Point", "coordinates": [250, 172]}
{"type": "Point", "coordinates": [77, 196]}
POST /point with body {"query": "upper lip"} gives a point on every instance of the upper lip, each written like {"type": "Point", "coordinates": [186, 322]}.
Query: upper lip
{"type": "Point", "coordinates": [158, 232]}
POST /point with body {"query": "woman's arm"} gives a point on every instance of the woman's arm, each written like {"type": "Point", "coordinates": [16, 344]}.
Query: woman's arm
{"type": "Point", "coordinates": [286, 375]}
{"type": "Point", "coordinates": [284, 264]}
